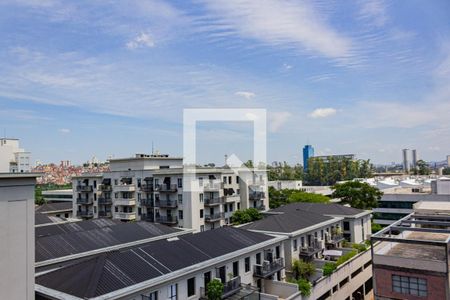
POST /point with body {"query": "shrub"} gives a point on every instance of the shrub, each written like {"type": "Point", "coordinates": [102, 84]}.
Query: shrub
{"type": "Point", "coordinates": [328, 268]}
{"type": "Point", "coordinates": [304, 286]}
{"type": "Point", "coordinates": [346, 257]}
{"type": "Point", "coordinates": [245, 216]}
{"type": "Point", "coordinates": [214, 289]}
{"type": "Point", "coordinates": [376, 227]}
{"type": "Point", "coordinates": [359, 247]}
{"type": "Point", "coordinates": [302, 269]}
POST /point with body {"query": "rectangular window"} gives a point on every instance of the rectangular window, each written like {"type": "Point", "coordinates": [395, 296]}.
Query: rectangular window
{"type": "Point", "coordinates": [295, 244]}
{"type": "Point", "coordinates": [180, 198]}
{"type": "Point", "coordinates": [258, 258]}
{"type": "Point", "coordinates": [180, 214]}
{"type": "Point", "coordinates": [321, 234]}
{"type": "Point", "coordinates": [201, 213]}
{"type": "Point", "coordinates": [409, 285]}
{"type": "Point", "coordinates": [153, 296]}
{"type": "Point", "coordinates": [236, 269]}
{"type": "Point", "coordinates": [180, 182]}
{"type": "Point", "coordinates": [346, 226]}
{"type": "Point", "coordinates": [201, 198]}
{"type": "Point", "coordinates": [191, 287]}
{"type": "Point", "coordinates": [173, 291]}
{"type": "Point", "coordinates": [224, 179]}
{"type": "Point", "coordinates": [230, 207]}
{"type": "Point", "coordinates": [229, 179]}
{"type": "Point", "coordinates": [247, 264]}
{"type": "Point", "coordinates": [225, 208]}
{"type": "Point", "coordinates": [237, 179]}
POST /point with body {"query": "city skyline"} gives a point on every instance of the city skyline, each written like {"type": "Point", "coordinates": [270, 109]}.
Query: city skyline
{"type": "Point", "coordinates": [82, 79]}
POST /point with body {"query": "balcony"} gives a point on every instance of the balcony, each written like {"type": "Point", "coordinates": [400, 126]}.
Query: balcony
{"type": "Point", "coordinates": [214, 217]}
{"type": "Point", "coordinates": [104, 201]}
{"type": "Point", "coordinates": [212, 186]}
{"type": "Point", "coordinates": [214, 201]}
{"type": "Point", "coordinates": [148, 217]}
{"type": "Point", "coordinates": [335, 239]}
{"type": "Point", "coordinates": [85, 188]}
{"type": "Point", "coordinates": [125, 188]}
{"type": "Point", "coordinates": [256, 195]}
{"type": "Point", "coordinates": [125, 216]}
{"type": "Point", "coordinates": [125, 201]}
{"type": "Point", "coordinates": [166, 203]}
{"type": "Point", "coordinates": [147, 202]}
{"type": "Point", "coordinates": [167, 219]}
{"type": "Point", "coordinates": [105, 214]}
{"type": "Point", "coordinates": [167, 188]}
{"type": "Point", "coordinates": [84, 201]}
{"type": "Point", "coordinates": [105, 188]}
{"type": "Point", "coordinates": [308, 251]}
{"type": "Point", "coordinates": [147, 188]}
{"type": "Point", "coordinates": [85, 214]}
{"type": "Point", "coordinates": [267, 269]}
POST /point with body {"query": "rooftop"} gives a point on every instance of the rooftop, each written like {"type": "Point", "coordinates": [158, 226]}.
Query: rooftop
{"type": "Point", "coordinates": [326, 209]}
{"type": "Point", "coordinates": [54, 207]}
{"type": "Point", "coordinates": [115, 270]}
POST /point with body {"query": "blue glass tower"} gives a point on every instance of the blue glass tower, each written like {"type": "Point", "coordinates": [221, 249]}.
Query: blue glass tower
{"type": "Point", "coordinates": [308, 151]}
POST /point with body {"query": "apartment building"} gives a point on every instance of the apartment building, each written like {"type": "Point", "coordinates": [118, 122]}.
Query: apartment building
{"type": "Point", "coordinates": [397, 202]}
{"type": "Point", "coordinates": [156, 188]}
{"type": "Point", "coordinates": [249, 264]}
{"type": "Point", "coordinates": [13, 159]}
{"type": "Point", "coordinates": [65, 195]}
{"type": "Point", "coordinates": [411, 258]}
{"type": "Point", "coordinates": [17, 232]}
{"type": "Point", "coordinates": [315, 234]}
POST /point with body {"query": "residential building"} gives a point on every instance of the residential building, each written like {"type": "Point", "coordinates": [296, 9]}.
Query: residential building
{"type": "Point", "coordinates": [158, 188]}
{"type": "Point", "coordinates": [286, 184]}
{"type": "Point", "coordinates": [65, 195]}
{"type": "Point", "coordinates": [308, 152]}
{"type": "Point", "coordinates": [440, 186]}
{"type": "Point", "coordinates": [13, 159]}
{"type": "Point", "coordinates": [249, 264]}
{"type": "Point", "coordinates": [410, 257]}
{"type": "Point", "coordinates": [406, 163]}
{"type": "Point", "coordinates": [316, 233]}
{"type": "Point", "coordinates": [17, 236]}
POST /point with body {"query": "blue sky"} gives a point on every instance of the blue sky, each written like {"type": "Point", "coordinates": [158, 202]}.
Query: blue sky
{"type": "Point", "coordinates": [84, 78]}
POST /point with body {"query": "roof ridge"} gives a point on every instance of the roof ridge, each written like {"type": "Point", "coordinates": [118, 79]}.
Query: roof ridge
{"type": "Point", "coordinates": [91, 289]}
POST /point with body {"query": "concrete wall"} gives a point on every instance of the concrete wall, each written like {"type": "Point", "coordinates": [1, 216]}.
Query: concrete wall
{"type": "Point", "coordinates": [17, 238]}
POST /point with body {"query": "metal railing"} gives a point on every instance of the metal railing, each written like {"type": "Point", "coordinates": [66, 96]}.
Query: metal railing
{"type": "Point", "coordinates": [311, 250]}
{"type": "Point", "coordinates": [167, 219]}
{"type": "Point", "coordinates": [105, 187]}
{"type": "Point", "coordinates": [147, 202]}
{"type": "Point", "coordinates": [214, 217]}
{"type": "Point", "coordinates": [103, 200]}
{"type": "Point", "coordinates": [214, 201]}
{"type": "Point", "coordinates": [85, 188]}
{"type": "Point", "coordinates": [166, 203]}
{"type": "Point", "coordinates": [256, 195]}
{"type": "Point", "coordinates": [268, 268]}
{"type": "Point", "coordinates": [167, 188]}
{"type": "Point", "coordinates": [85, 214]}
{"type": "Point", "coordinates": [104, 213]}
{"type": "Point", "coordinates": [148, 188]}
{"type": "Point", "coordinates": [212, 185]}
{"type": "Point", "coordinates": [84, 201]}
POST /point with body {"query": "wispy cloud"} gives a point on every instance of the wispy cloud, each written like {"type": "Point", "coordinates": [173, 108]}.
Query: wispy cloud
{"type": "Point", "coordinates": [278, 119]}
{"type": "Point", "coordinates": [246, 95]}
{"type": "Point", "coordinates": [64, 130]}
{"type": "Point", "coordinates": [142, 40]}
{"type": "Point", "coordinates": [374, 11]}
{"type": "Point", "coordinates": [322, 112]}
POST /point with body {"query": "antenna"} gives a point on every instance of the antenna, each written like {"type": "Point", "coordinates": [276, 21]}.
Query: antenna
{"type": "Point", "coordinates": [152, 148]}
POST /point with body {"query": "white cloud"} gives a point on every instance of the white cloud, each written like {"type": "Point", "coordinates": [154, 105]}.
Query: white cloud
{"type": "Point", "coordinates": [374, 11]}
{"type": "Point", "coordinates": [142, 40]}
{"type": "Point", "coordinates": [278, 119]}
{"type": "Point", "coordinates": [246, 95]}
{"type": "Point", "coordinates": [287, 66]}
{"type": "Point", "coordinates": [322, 112]}
{"type": "Point", "coordinates": [293, 24]}
{"type": "Point", "coordinates": [64, 130]}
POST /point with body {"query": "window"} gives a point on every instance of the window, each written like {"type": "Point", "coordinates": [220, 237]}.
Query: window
{"type": "Point", "coordinates": [236, 269]}
{"type": "Point", "coordinates": [231, 207]}
{"type": "Point", "coordinates": [116, 181]}
{"type": "Point", "coordinates": [229, 179]}
{"type": "Point", "coordinates": [201, 213]}
{"type": "Point", "coordinates": [225, 208]}
{"type": "Point", "coordinates": [180, 198]}
{"type": "Point", "coordinates": [295, 244]}
{"type": "Point", "coordinates": [201, 197]}
{"type": "Point", "coordinates": [237, 179]}
{"type": "Point", "coordinates": [321, 234]}
{"type": "Point", "coordinates": [224, 179]}
{"type": "Point", "coordinates": [247, 264]}
{"type": "Point", "coordinates": [180, 182]}
{"type": "Point", "coordinates": [152, 296]}
{"type": "Point", "coordinates": [239, 206]}
{"type": "Point", "coordinates": [409, 285]}
{"type": "Point", "coordinates": [258, 258]}
{"type": "Point", "coordinates": [180, 214]}
{"type": "Point", "coordinates": [346, 226]}
{"type": "Point", "coordinates": [173, 289]}
{"type": "Point", "coordinates": [116, 208]}
{"type": "Point", "coordinates": [191, 287]}
{"type": "Point", "coordinates": [343, 282]}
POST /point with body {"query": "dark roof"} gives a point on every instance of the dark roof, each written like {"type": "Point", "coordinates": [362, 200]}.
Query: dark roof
{"type": "Point", "coordinates": [287, 222]}
{"type": "Point", "coordinates": [42, 219]}
{"type": "Point", "coordinates": [107, 272]}
{"type": "Point", "coordinates": [328, 209]}
{"type": "Point", "coordinates": [55, 206]}
{"type": "Point", "coordinates": [59, 240]}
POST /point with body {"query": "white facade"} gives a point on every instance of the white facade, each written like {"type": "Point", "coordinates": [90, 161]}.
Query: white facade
{"type": "Point", "coordinates": [17, 236]}
{"type": "Point", "coordinates": [13, 159]}
{"type": "Point", "coordinates": [286, 184]}
{"type": "Point", "coordinates": [154, 189]}
{"type": "Point", "coordinates": [441, 186]}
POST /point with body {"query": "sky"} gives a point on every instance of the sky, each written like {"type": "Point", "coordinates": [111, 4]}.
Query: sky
{"type": "Point", "coordinates": [110, 78]}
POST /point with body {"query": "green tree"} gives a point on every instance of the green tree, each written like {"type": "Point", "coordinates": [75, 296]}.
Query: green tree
{"type": "Point", "coordinates": [214, 289]}
{"type": "Point", "coordinates": [282, 197]}
{"type": "Point", "coordinates": [446, 171]}
{"type": "Point", "coordinates": [376, 227]}
{"type": "Point", "coordinates": [357, 194]}
{"type": "Point", "coordinates": [422, 168]}
{"type": "Point", "coordinates": [246, 216]}
{"type": "Point", "coordinates": [304, 286]}
{"type": "Point", "coordinates": [328, 268]}
{"type": "Point", "coordinates": [302, 269]}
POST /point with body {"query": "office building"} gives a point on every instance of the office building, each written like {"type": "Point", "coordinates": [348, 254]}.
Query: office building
{"type": "Point", "coordinates": [316, 233]}
{"type": "Point", "coordinates": [250, 265]}
{"type": "Point", "coordinates": [410, 257]}
{"type": "Point", "coordinates": [13, 159]}
{"type": "Point", "coordinates": [153, 188]}
{"type": "Point", "coordinates": [17, 236]}
{"type": "Point", "coordinates": [406, 162]}
{"type": "Point", "coordinates": [414, 158]}
{"type": "Point", "coordinates": [308, 152]}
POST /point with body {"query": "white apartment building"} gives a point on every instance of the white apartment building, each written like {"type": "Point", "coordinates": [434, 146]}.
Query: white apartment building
{"type": "Point", "coordinates": [154, 188]}
{"type": "Point", "coordinates": [13, 159]}
{"type": "Point", "coordinates": [286, 184]}
{"type": "Point", "coordinates": [17, 236]}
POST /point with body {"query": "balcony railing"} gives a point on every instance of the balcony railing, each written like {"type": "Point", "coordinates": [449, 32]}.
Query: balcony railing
{"type": "Point", "coordinates": [167, 188]}
{"type": "Point", "coordinates": [148, 202]}
{"type": "Point", "coordinates": [85, 214]}
{"type": "Point", "coordinates": [125, 201]}
{"type": "Point", "coordinates": [214, 201]}
{"type": "Point", "coordinates": [214, 217]}
{"type": "Point", "coordinates": [166, 203]}
{"type": "Point", "coordinates": [107, 214]}
{"type": "Point", "coordinates": [256, 195]}
{"type": "Point", "coordinates": [147, 188]}
{"type": "Point", "coordinates": [104, 201]}
{"type": "Point", "coordinates": [268, 268]}
{"type": "Point", "coordinates": [125, 216]}
{"type": "Point", "coordinates": [85, 188]}
{"type": "Point", "coordinates": [84, 201]}
{"type": "Point", "coordinates": [148, 217]}
{"type": "Point", "coordinates": [212, 185]}
{"type": "Point", "coordinates": [105, 188]}
{"type": "Point", "coordinates": [260, 207]}
{"type": "Point", "coordinates": [308, 251]}
{"type": "Point", "coordinates": [167, 219]}
{"type": "Point", "coordinates": [335, 239]}
{"type": "Point", "coordinates": [125, 188]}
{"type": "Point", "coordinates": [229, 288]}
